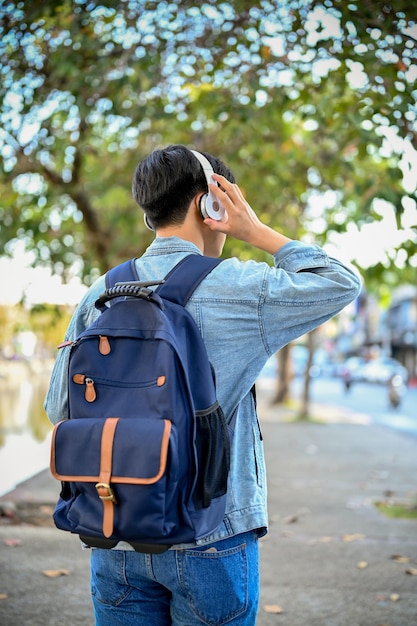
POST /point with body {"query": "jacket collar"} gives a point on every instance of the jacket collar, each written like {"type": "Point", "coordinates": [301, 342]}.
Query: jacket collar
{"type": "Point", "coordinates": [164, 245]}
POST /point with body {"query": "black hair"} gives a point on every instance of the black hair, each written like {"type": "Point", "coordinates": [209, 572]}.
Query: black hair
{"type": "Point", "coordinates": [167, 180]}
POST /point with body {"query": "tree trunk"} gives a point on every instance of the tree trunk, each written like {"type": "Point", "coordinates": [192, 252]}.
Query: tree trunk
{"type": "Point", "coordinates": [304, 412]}
{"type": "Point", "coordinates": [284, 376]}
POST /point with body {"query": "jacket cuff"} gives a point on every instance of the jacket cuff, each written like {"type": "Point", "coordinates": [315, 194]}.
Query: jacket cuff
{"type": "Point", "coordinates": [296, 256]}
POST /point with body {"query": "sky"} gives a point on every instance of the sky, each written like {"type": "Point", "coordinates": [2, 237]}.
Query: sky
{"type": "Point", "coordinates": [38, 285]}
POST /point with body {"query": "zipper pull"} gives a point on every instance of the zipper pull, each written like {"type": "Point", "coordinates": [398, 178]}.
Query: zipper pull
{"type": "Point", "coordinates": [90, 392]}
{"type": "Point", "coordinates": [66, 344]}
{"type": "Point", "coordinates": [104, 345]}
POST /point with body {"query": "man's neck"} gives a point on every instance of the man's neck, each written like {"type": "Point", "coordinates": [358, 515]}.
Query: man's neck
{"type": "Point", "coordinates": [183, 232]}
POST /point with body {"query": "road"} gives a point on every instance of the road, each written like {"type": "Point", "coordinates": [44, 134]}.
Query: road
{"type": "Point", "coordinates": [371, 399]}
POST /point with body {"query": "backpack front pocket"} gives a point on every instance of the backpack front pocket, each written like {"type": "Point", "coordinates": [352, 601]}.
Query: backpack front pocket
{"type": "Point", "coordinates": [117, 473]}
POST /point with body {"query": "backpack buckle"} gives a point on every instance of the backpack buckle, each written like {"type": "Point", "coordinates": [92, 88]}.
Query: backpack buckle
{"type": "Point", "coordinates": [108, 492]}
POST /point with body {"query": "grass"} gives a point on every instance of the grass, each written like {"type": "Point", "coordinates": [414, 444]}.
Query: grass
{"type": "Point", "coordinates": [396, 510]}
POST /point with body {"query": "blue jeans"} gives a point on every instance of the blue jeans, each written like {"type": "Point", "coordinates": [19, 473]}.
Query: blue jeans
{"type": "Point", "coordinates": [213, 584]}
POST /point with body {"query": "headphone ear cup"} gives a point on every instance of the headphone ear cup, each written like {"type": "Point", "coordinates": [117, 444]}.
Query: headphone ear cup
{"type": "Point", "coordinates": [202, 203]}
{"type": "Point", "coordinates": [212, 208]}
{"type": "Point", "coordinates": [147, 223]}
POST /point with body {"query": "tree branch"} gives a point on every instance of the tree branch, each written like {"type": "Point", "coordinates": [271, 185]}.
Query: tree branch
{"type": "Point", "coordinates": [99, 236]}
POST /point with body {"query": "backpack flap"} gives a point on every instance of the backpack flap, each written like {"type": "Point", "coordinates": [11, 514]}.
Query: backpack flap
{"type": "Point", "coordinates": [121, 453]}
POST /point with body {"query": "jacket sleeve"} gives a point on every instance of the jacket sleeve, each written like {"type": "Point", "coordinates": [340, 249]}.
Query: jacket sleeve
{"type": "Point", "coordinates": [310, 288]}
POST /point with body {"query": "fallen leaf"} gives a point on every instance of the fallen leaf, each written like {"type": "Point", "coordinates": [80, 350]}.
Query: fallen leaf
{"type": "Point", "coordinates": [362, 564]}
{"type": "Point", "coordinates": [291, 519]}
{"type": "Point", "coordinates": [412, 571]}
{"type": "Point", "coordinates": [3, 596]}
{"type": "Point", "coordinates": [46, 509]}
{"type": "Point", "coordinates": [273, 608]}
{"type": "Point", "coordinates": [394, 597]}
{"type": "Point", "coordinates": [54, 573]}
{"type": "Point", "coordinates": [12, 543]}
{"type": "Point", "coordinates": [354, 537]}
{"type": "Point", "coordinates": [400, 559]}
{"type": "Point", "coordinates": [325, 539]}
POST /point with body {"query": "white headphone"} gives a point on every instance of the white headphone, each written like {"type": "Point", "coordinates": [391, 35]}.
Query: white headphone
{"type": "Point", "coordinates": [209, 205]}
{"type": "Point", "coordinates": [147, 222]}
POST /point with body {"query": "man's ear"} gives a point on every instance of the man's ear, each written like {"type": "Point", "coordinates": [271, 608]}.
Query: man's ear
{"type": "Point", "coordinates": [195, 207]}
{"type": "Point", "coordinates": [199, 200]}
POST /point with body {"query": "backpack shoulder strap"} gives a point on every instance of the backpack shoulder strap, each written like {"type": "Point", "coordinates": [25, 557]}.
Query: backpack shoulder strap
{"type": "Point", "coordinates": [124, 272]}
{"type": "Point", "coordinates": [179, 284]}
{"type": "Point", "coordinates": [185, 277]}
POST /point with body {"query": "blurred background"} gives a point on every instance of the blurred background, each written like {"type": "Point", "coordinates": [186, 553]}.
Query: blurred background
{"type": "Point", "coordinates": [313, 107]}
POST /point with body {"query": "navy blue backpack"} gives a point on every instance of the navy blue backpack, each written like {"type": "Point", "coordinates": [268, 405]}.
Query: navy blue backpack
{"type": "Point", "coordinates": [145, 455]}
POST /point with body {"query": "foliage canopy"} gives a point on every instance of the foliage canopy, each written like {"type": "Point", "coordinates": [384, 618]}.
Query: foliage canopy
{"type": "Point", "coordinates": [312, 104]}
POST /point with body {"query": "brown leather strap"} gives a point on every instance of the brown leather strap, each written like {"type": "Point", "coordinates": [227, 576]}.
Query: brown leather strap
{"type": "Point", "coordinates": [103, 487]}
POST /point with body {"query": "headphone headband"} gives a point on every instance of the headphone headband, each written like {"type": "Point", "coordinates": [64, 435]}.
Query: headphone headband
{"type": "Point", "coordinates": [209, 205]}
{"type": "Point", "coordinates": [205, 164]}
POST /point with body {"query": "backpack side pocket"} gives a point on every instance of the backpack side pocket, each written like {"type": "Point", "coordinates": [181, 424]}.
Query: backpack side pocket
{"type": "Point", "coordinates": [213, 456]}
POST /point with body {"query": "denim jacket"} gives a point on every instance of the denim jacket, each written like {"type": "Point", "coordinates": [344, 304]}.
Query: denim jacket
{"type": "Point", "coordinates": [246, 311]}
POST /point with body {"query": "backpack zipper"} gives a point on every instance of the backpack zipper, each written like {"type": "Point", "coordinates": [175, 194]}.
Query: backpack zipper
{"type": "Point", "coordinates": [90, 390]}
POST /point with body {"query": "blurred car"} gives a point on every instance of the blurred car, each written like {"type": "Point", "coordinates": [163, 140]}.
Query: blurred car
{"type": "Point", "coordinates": [381, 370]}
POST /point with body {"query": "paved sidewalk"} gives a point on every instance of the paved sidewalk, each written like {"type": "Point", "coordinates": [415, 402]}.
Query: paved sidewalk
{"type": "Point", "coordinates": [328, 557]}
{"type": "Point", "coordinates": [327, 560]}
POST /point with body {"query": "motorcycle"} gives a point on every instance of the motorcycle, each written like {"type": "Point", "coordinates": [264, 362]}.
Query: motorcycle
{"type": "Point", "coordinates": [396, 390]}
